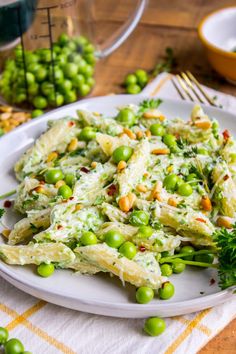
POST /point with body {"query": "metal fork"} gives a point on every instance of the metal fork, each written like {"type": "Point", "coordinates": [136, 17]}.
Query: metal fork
{"type": "Point", "coordinates": [188, 86]}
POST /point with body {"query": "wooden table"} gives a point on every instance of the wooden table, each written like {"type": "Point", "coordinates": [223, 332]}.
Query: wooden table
{"type": "Point", "coordinates": [164, 24]}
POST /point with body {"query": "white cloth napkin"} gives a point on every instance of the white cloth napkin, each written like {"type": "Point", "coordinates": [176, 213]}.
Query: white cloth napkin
{"type": "Point", "coordinates": [49, 329]}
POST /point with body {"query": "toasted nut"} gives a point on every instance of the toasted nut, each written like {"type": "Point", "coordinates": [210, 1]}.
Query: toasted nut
{"type": "Point", "coordinates": [60, 183]}
{"type": "Point", "coordinates": [206, 203]}
{"type": "Point", "coordinates": [7, 129]}
{"type": "Point", "coordinates": [7, 109]}
{"type": "Point", "coordinates": [73, 145]}
{"type": "Point", "coordinates": [153, 113]}
{"type": "Point", "coordinates": [132, 198]}
{"type": "Point", "coordinates": [170, 168]}
{"type": "Point", "coordinates": [155, 193]}
{"type": "Point", "coordinates": [78, 207]}
{"type": "Point", "coordinates": [130, 134]}
{"type": "Point", "coordinates": [6, 233]}
{"type": "Point", "coordinates": [124, 204]}
{"type": "Point", "coordinates": [160, 151]}
{"type": "Point", "coordinates": [139, 134]}
{"type": "Point", "coordinates": [40, 190]}
{"type": "Point", "coordinates": [146, 174]}
{"type": "Point", "coordinates": [94, 164]}
{"type": "Point", "coordinates": [172, 202]}
{"type": "Point", "coordinates": [141, 188]}
{"type": "Point", "coordinates": [224, 222]}
{"type": "Point", "coordinates": [203, 124]}
{"type": "Point", "coordinates": [20, 116]}
{"type": "Point", "coordinates": [52, 156]}
{"type": "Point", "coordinates": [5, 123]}
{"type": "Point", "coordinates": [5, 116]}
{"type": "Point", "coordinates": [14, 122]}
{"type": "Point", "coordinates": [121, 165]}
{"type": "Point", "coordinates": [148, 133]}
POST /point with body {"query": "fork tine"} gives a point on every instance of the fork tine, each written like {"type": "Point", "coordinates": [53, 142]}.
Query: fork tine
{"type": "Point", "coordinates": [205, 94]}
{"type": "Point", "coordinates": [190, 85]}
{"type": "Point", "coordinates": [184, 87]}
{"type": "Point", "coordinates": [177, 89]}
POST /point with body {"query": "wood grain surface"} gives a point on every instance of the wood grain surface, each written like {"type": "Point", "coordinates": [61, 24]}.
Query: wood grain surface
{"type": "Point", "coordinates": [164, 24]}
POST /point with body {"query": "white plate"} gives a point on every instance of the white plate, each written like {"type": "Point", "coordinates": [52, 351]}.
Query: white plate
{"type": "Point", "coordinates": [101, 294]}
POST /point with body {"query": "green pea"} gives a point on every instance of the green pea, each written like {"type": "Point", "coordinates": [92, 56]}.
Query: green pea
{"type": "Point", "coordinates": [78, 81]}
{"type": "Point", "coordinates": [55, 99]}
{"type": "Point", "coordinates": [53, 176]}
{"type": "Point", "coordinates": [56, 48]}
{"type": "Point", "coordinates": [202, 151]}
{"type": "Point", "coordinates": [40, 102]}
{"type": "Point", "coordinates": [157, 129]}
{"type": "Point", "coordinates": [47, 88]}
{"type": "Point", "coordinates": [185, 190]}
{"type": "Point", "coordinates": [205, 258]}
{"type": "Point", "coordinates": [126, 117]}
{"type": "Point", "coordinates": [166, 291]}
{"type": "Point", "coordinates": [65, 191]}
{"type": "Point", "coordinates": [90, 58]}
{"type": "Point", "coordinates": [88, 238]}
{"type": "Point", "coordinates": [41, 74]}
{"type": "Point", "coordinates": [61, 60]}
{"type": "Point", "coordinates": [142, 77]}
{"type": "Point", "coordinates": [36, 113]}
{"type": "Point", "coordinates": [90, 81]}
{"type": "Point", "coordinates": [45, 55]}
{"type": "Point", "coordinates": [45, 270]}
{"type": "Point", "coordinates": [20, 97]}
{"type": "Point", "coordinates": [63, 39]}
{"type": "Point", "coordinates": [178, 266]}
{"type": "Point", "coordinates": [114, 238]}
{"type": "Point", "coordinates": [170, 182]}
{"type": "Point", "coordinates": [13, 346]}
{"type": "Point", "coordinates": [139, 218]}
{"type": "Point", "coordinates": [30, 78]}
{"type": "Point", "coordinates": [56, 75]}
{"type": "Point", "coordinates": [154, 326]}
{"type": "Point", "coordinates": [131, 79]}
{"type": "Point", "coordinates": [87, 134]}
{"type": "Point", "coordinates": [122, 153]}
{"type": "Point", "coordinates": [69, 179]}
{"type": "Point", "coordinates": [33, 68]}
{"type": "Point", "coordinates": [33, 89]}
{"type": "Point", "coordinates": [89, 48]}
{"type": "Point", "coordinates": [133, 89]}
{"type": "Point", "coordinates": [70, 97]}
{"type": "Point", "coordinates": [84, 90]}
{"type": "Point", "coordinates": [145, 231]}
{"type": "Point", "coordinates": [70, 70]}
{"type": "Point", "coordinates": [87, 71]}
{"type": "Point", "coordinates": [71, 45]}
{"type": "Point", "coordinates": [3, 335]}
{"type": "Point", "coordinates": [169, 140]}
{"type": "Point", "coordinates": [189, 250]}
{"type": "Point", "coordinates": [128, 249]}
{"type": "Point", "coordinates": [74, 58]}
{"type": "Point", "coordinates": [166, 270]}
{"type": "Point", "coordinates": [144, 295]}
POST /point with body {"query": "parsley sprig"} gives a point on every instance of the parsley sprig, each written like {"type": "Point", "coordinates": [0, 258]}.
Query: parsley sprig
{"type": "Point", "coordinates": [153, 103]}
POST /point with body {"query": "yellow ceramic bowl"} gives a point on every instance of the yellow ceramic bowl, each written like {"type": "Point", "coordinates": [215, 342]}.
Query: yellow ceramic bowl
{"type": "Point", "coordinates": [217, 32]}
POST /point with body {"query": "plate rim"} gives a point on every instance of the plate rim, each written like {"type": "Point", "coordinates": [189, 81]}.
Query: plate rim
{"type": "Point", "coordinates": [7, 273]}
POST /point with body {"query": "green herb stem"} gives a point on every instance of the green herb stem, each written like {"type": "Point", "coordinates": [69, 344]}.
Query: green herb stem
{"type": "Point", "coordinates": [193, 263]}
{"type": "Point", "coordinates": [8, 194]}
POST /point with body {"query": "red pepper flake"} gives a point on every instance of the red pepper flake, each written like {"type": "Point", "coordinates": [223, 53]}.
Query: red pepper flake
{"type": "Point", "coordinates": [142, 248]}
{"type": "Point", "coordinates": [112, 189]}
{"type": "Point", "coordinates": [212, 281]}
{"type": "Point", "coordinates": [71, 198]}
{"type": "Point", "coordinates": [226, 177]}
{"type": "Point", "coordinates": [7, 204]}
{"type": "Point", "coordinates": [59, 227]}
{"type": "Point", "coordinates": [71, 124]}
{"type": "Point", "coordinates": [226, 134]}
{"type": "Point", "coordinates": [84, 169]}
{"type": "Point", "coordinates": [201, 220]}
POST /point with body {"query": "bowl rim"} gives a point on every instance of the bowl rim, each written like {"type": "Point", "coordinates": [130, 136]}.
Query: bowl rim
{"type": "Point", "coordinates": [206, 42]}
